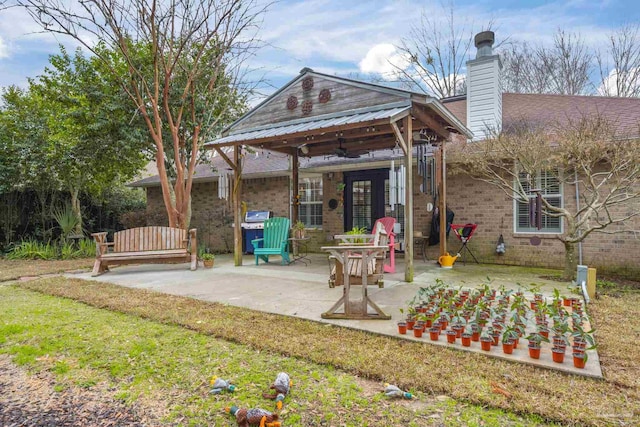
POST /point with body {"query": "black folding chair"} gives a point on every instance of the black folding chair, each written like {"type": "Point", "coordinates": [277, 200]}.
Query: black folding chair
{"type": "Point", "coordinates": [464, 232]}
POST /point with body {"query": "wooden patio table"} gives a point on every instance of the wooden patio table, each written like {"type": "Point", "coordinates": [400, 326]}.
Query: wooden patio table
{"type": "Point", "coordinates": [355, 309]}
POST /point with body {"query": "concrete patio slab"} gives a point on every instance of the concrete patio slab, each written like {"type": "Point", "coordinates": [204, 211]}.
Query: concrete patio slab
{"type": "Point", "coordinates": [303, 291]}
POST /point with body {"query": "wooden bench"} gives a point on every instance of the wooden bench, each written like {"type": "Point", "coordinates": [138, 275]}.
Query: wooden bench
{"type": "Point", "coordinates": [145, 245]}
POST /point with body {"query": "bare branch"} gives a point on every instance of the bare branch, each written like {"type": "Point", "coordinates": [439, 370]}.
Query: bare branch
{"type": "Point", "coordinates": [622, 76]}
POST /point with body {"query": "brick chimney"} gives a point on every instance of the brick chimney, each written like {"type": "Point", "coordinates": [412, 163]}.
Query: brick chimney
{"type": "Point", "coordinates": [484, 92]}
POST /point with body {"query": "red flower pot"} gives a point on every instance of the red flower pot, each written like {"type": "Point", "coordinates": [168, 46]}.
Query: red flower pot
{"type": "Point", "coordinates": [475, 337]}
{"type": "Point", "coordinates": [496, 339]}
{"type": "Point", "coordinates": [507, 347]}
{"type": "Point", "coordinates": [410, 324]}
{"type": "Point", "coordinates": [402, 328]}
{"type": "Point", "coordinates": [417, 332]}
{"type": "Point", "coordinates": [428, 323]}
{"type": "Point", "coordinates": [485, 344]}
{"type": "Point", "coordinates": [534, 352]}
{"type": "Point", "coordinates": [544, 334]}
{"type": "Point", "coordinates": [466, 340]}
{"type": "Point", "coordinates": [451, 337]}
{"type": "Point", "coordinates": [443, 324]}
{"type": "Point", "coordinates": [458, 330]}
{"type": "Point", "coordinates": [434, 334]}
{"type": "Point", "coordinates": [567, 302]}
{"type": "Point", "coordinates": [558, 355]}
{"type": "Point", "coordinates": [579, 360]}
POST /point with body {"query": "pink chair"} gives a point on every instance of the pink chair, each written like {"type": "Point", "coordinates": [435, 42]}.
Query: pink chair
{"type": "Point", "coordinates": [388, 223]}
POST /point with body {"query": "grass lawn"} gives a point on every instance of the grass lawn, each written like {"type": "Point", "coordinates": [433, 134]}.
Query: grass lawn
{"type": "Point", "coordinates": [13, 269]}
{"type": "Point", "coordinates": [427, 370]}
{"type": "Point", "coordinates": [163, 364]}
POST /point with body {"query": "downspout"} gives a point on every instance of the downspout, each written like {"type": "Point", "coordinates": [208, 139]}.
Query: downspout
{"type": "Point", "coordinates": [575, 174]}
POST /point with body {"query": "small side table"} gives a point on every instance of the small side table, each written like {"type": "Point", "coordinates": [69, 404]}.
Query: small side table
{"type": "Point", "coordinates": [300, 249]}
{"type": "Point", "coordinates": [354, 309]}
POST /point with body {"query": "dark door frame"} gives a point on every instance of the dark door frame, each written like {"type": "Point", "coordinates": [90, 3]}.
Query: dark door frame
{"type": "Point", "coordinates": [377, 178]}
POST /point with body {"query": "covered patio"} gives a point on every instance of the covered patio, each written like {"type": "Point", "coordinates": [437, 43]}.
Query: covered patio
{"type": "Point", "coordinates": [319, 115]}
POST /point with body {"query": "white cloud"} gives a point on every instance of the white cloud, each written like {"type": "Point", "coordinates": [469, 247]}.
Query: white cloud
{"type": "Point", "coordinates": [609, 85]}
{"type": "Point", "coordinates": [384, 59]}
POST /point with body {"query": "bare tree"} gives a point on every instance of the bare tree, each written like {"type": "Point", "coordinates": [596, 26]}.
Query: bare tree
{"type": "Point", "coordinates": [587, 152]}
{"type": "Point", "coordinates": [437, 52]}
{"type": "Point", "coordinates": [180, 62]}
{"type": "Point", "coordinates": [522, 71]}
{"type": "Point", "coordinates": [563, 68]}
{"type": "Point", "coordinates": [623, 77]}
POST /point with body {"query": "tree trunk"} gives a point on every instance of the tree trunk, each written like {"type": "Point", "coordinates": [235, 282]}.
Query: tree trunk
{"type": "Point", "coordinates": [570, 260]}
{"type": "Point", "coordinates": [75, 207]}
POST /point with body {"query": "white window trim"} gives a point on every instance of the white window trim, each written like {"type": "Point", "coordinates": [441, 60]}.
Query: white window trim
{"type": "Point", "coordinates": [546, 233]}
{"type": "Point", "coordinates": [320, 202]}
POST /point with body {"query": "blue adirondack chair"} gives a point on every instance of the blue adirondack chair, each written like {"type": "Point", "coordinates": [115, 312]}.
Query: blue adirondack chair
{"type": "Point", "coordinates": [275, 240]}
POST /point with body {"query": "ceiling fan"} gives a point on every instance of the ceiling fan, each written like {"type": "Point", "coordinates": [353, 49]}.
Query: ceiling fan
{"type": "Point", "coordinates": [342, 152]}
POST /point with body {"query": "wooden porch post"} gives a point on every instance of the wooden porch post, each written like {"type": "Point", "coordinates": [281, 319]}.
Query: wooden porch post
{"type": "Point", "coordinates": [408, 203]}
{"type": "Point", "coordinates": [294, 183]}
{"type": "Point", "coordinates": [237, 207]}
{"type": "Point", "coordinates": [442, 192]}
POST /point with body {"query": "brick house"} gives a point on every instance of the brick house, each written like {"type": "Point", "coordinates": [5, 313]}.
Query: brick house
{"type": "Point", "coordinates": [327, 210]}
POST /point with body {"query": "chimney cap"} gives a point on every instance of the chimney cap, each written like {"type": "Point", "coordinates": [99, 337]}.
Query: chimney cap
{"type": "Point", "coordinates": [484, 38]}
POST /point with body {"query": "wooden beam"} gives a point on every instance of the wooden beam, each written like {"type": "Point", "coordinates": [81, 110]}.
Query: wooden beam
{"type": "Point", "coordinates": [442, 191]}
{"type": "Point", "coordinates": [237, 207]}
{"type": "Point", "coordinates": [294, 183]}
{"type": "Point", "coordinates": [428, 120]}
{"type": "Point", "coordinates": [408, 203]}
{"type": "Point", "coordinates": [399, 136]}
{"type": "Point", "coordinates": [225, 157]}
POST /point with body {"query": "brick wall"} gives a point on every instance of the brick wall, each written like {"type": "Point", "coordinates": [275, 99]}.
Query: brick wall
{"type": "Point", "coordinates": [478, 202]}
{"type": "Point", "coordinates": [213, 217]}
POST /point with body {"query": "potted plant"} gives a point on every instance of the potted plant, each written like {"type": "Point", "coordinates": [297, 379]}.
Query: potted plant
{"type": "Point", "coordinates": [402, 327]}
{"type": "Point", "coordinates": [298, 230]}
{"type": "Point", "coordinates": [467, 335]}
{"type": "Point", "coordinates": [486, 339]}
{"type": "Point", "coordinates": [582, 339]}
{"type": "Point", "coordinates": [434, 333]}
{"type": "Point", "coordinates": [207, 259]}
{"type": "Point", "coordinates": [509, 336]}
{"type": "Point", "coordinates": [535, 343]}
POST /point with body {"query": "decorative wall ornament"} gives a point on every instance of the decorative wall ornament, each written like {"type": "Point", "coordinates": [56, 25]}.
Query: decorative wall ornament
{"type": "Point", "coordinates": [307, 83]}
{"type": "Point", "coordinates": [292, 102]}
{"type": "Point", "coordinates": [307, 106]}
{"type": "Point", "coordinates": [324, 96]}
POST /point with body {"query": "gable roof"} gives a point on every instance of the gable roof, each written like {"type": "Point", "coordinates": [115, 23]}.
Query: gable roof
{"type": "Point", "coordinates": [549, 108]}
{"type": "Point", "coordinates": [387, 95]}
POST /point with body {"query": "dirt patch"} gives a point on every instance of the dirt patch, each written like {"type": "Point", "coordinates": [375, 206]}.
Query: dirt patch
{"type": "Point", "coordinates": [31, 400]}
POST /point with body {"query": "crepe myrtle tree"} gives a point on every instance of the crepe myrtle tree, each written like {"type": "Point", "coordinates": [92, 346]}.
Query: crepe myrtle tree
{"type": "Point", "coordinates": [180, 63]}
{"type": "Point", "coordinates": [589, 151]}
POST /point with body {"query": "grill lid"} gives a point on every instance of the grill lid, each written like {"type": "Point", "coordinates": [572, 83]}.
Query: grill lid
{"type": "Point", "coordinates": [257, 216]}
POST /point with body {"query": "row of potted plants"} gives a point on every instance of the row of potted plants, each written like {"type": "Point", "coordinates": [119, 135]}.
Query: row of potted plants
{"type": "Point", "coordinates": [489, 316]}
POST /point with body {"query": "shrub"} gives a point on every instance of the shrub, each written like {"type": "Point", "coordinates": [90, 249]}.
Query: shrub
{"type": "Point", "coordinates": [30, 249]}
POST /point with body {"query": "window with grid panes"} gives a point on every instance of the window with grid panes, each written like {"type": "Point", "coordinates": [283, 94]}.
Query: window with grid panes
{"type": "Point", "coordinates": [551, 190]}
{"type": "Point", "coordinates": [310, 209]}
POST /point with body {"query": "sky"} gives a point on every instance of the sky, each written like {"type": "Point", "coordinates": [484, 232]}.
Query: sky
{"type": "Point", "coordinates": [348, 37]}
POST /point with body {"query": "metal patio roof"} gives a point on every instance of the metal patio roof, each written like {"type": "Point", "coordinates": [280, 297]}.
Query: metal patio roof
{"type": "Point", "coordinates": [316, 123]}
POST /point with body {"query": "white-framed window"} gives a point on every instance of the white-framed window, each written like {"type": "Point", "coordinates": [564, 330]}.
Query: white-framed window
{"type": "Point", "coordinates": [310, 209]}
{"type": "Point", "coordinates": [548, 183]}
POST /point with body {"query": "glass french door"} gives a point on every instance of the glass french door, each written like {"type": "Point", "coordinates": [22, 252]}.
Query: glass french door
{"type": "Point", "coordinates": [364, 198]}
{"type": "Point", "coordinates": [367, 199]}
